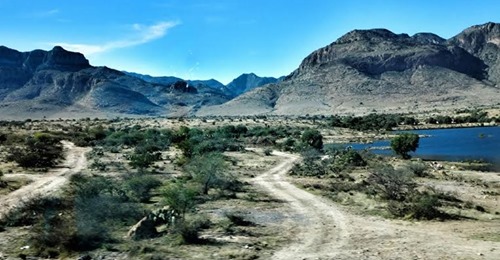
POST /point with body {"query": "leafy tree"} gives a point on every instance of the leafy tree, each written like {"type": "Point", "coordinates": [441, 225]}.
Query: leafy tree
{"type": "Point", "coordinates": [313, 138]}
{"type": "Point", "coordinates": [180, 197]}
{"type": "Point", "coordinates": [209, 171]}
{"type": "Point", "coordinates": [404, 143]}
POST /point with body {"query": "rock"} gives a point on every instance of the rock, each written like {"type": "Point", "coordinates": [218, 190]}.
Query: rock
{"type": "Point", "coordinates": [145, 228]}
{"type": "Point", "coordinates": [85, 257]}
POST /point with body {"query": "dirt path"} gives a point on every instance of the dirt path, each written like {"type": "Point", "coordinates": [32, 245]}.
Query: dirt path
{"type": "Point", "coordinates": [48, 183]}
{"type": "Point", "coordinates": [323, 230]}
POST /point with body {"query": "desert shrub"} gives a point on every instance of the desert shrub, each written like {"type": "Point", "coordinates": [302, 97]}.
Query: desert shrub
{"type": "Point", "coordinates": [424, 206]}
{"type": "Point", "coordinates": [418, 168]}
{"type": "Point", "coordinates": [139, 186]}
{"type": "Point", "coordinates": [41, 150]}
{"type": "Point", "coordinates": [347, 157]}
{"type": "Point", "coordinates": [143, 159]}
{"type": "Point", "coordinates": [238, 219]}
{"type": "Point", "coordinates": [268, 151]}
{"type": "Point", "coordinates": [419, 206]}
{"type": "Point", "coordinates": [98, 205]}
{"type": "Point", "coordinates": [391, 184]}
{"type": "Point", "coordinates": [189, 229]}
{"type": "Point", "coordinates": [288, 145]}
{"type": "Point", "coordinates": [3, 183]}
{"type": "Point", "coordinates": [28, 212]}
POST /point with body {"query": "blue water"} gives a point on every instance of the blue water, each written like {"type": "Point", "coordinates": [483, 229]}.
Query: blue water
{"type": "Point", "coordinates": [456, 144]}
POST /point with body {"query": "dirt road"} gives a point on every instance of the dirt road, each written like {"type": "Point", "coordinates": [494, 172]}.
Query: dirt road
{"type": "Point", "coordinates": [49, 183]}
{"type": "Point", "coordinates": [324, 230]}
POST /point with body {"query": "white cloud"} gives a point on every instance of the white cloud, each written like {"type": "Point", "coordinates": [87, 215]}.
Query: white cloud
{"type": "Point", "coordinates": [47, 13]}
{"type": "Point", "coordinates": [142, 34]}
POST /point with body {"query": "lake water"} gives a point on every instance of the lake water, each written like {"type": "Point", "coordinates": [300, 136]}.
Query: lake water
{"type": "Point", "coordinates": [456, 144]}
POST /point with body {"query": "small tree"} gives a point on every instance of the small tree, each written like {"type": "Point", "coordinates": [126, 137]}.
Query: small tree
{"type": "Point", "coordinates": [209, 171]}
{"type": "Point", "coordinates": [180, 197]}
{"type": "Point", "coordinates": [313, 138]}
{"type": "Point", "coordinates": [402, 144]}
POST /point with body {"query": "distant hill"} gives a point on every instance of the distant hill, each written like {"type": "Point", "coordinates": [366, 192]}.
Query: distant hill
{"type": "Point", "coordinates": [59, 83]}
{"type": "Point", "coordinates": [376, 70]}
{"type": "Point", "coordinates": [247, 82]}
{"type": "Point", "coordinates": [236, 87]}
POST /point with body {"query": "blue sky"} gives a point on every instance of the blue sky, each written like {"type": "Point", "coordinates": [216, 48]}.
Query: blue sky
{"type": "Point", "coordinates": [221, 39]}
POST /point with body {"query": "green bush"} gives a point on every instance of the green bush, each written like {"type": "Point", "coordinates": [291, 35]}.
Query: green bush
{"type": "Point", "coordinates": [313, 138]}
{"type": "Point", "coordinates": [139, 186]}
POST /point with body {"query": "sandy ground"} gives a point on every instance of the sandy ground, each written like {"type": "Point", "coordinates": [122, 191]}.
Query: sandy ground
{"type": "Point", "coordinates": [46, 184]}
{"type": "Point", "coordinates": [326, 230]}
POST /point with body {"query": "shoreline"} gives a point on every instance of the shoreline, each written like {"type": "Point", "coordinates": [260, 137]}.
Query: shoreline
{"type": "Point", "coordinates": [443, 126]}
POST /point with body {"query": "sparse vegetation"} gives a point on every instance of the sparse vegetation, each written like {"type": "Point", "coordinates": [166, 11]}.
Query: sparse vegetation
{"type": "Point", "coordinates": [201, 173]}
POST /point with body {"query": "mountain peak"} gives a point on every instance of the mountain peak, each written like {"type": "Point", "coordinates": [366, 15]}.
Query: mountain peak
{"type": "Point", "coordinates": [370, 35]}
{"type": "Point", "coordinates": [428, 38]}
{"type": "Point", "coordinates": [475, 38]}
{"type": "Point", "coordinates": [248, 81]}
{"type": "Point", "coordinates": [59, 58]}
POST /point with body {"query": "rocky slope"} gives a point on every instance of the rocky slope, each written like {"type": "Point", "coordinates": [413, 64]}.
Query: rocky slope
{"type": "Point", "coordinates": [377, 70]}
{"type": "Point", "coordinates": [59, 83]}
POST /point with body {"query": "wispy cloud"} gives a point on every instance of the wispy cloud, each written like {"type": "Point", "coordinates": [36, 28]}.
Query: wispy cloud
{"type": "Point", "coordinates": [47, 13]}
{"type": "Point", "coordinates": [141, 34]}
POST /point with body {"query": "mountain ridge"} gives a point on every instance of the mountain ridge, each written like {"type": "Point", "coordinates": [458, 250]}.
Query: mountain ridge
{"type": "Point", "coordinates": [363, 71]}
{"type": "Point", "coordinates": [366, 71]}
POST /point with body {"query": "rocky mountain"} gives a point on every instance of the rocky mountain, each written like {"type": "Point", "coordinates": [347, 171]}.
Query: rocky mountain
{"type": "Point", "coordinates": [59, 83]}
{"type": "Point", "coordinates": [364, 71]}
{"type": "Point", "coordinates": [376, 70]}
{"type": "Point", "coordinates": [236, 87]}
{"type": "Point", "coordinates": [167, 80]}
{"type": "Point", "coordinates": [247, 82]}
{"type": "Point", "coordinates": [482, 41]}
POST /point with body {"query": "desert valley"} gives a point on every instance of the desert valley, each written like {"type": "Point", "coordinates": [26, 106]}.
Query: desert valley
{"type": "Point", "coordinates": [378, 146]}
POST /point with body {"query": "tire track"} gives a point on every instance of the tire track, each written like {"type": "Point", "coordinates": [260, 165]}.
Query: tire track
{"type": "Point", "coordinates": [324, 228]}
{"type": "Point", "coordinates": [46, 184]}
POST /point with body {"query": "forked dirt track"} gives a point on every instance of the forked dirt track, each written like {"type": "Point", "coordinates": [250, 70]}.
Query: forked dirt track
{"type": "Point", "coordinates": [323, 230]}
{"type": "Point", "coordinates": [46, 184]}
